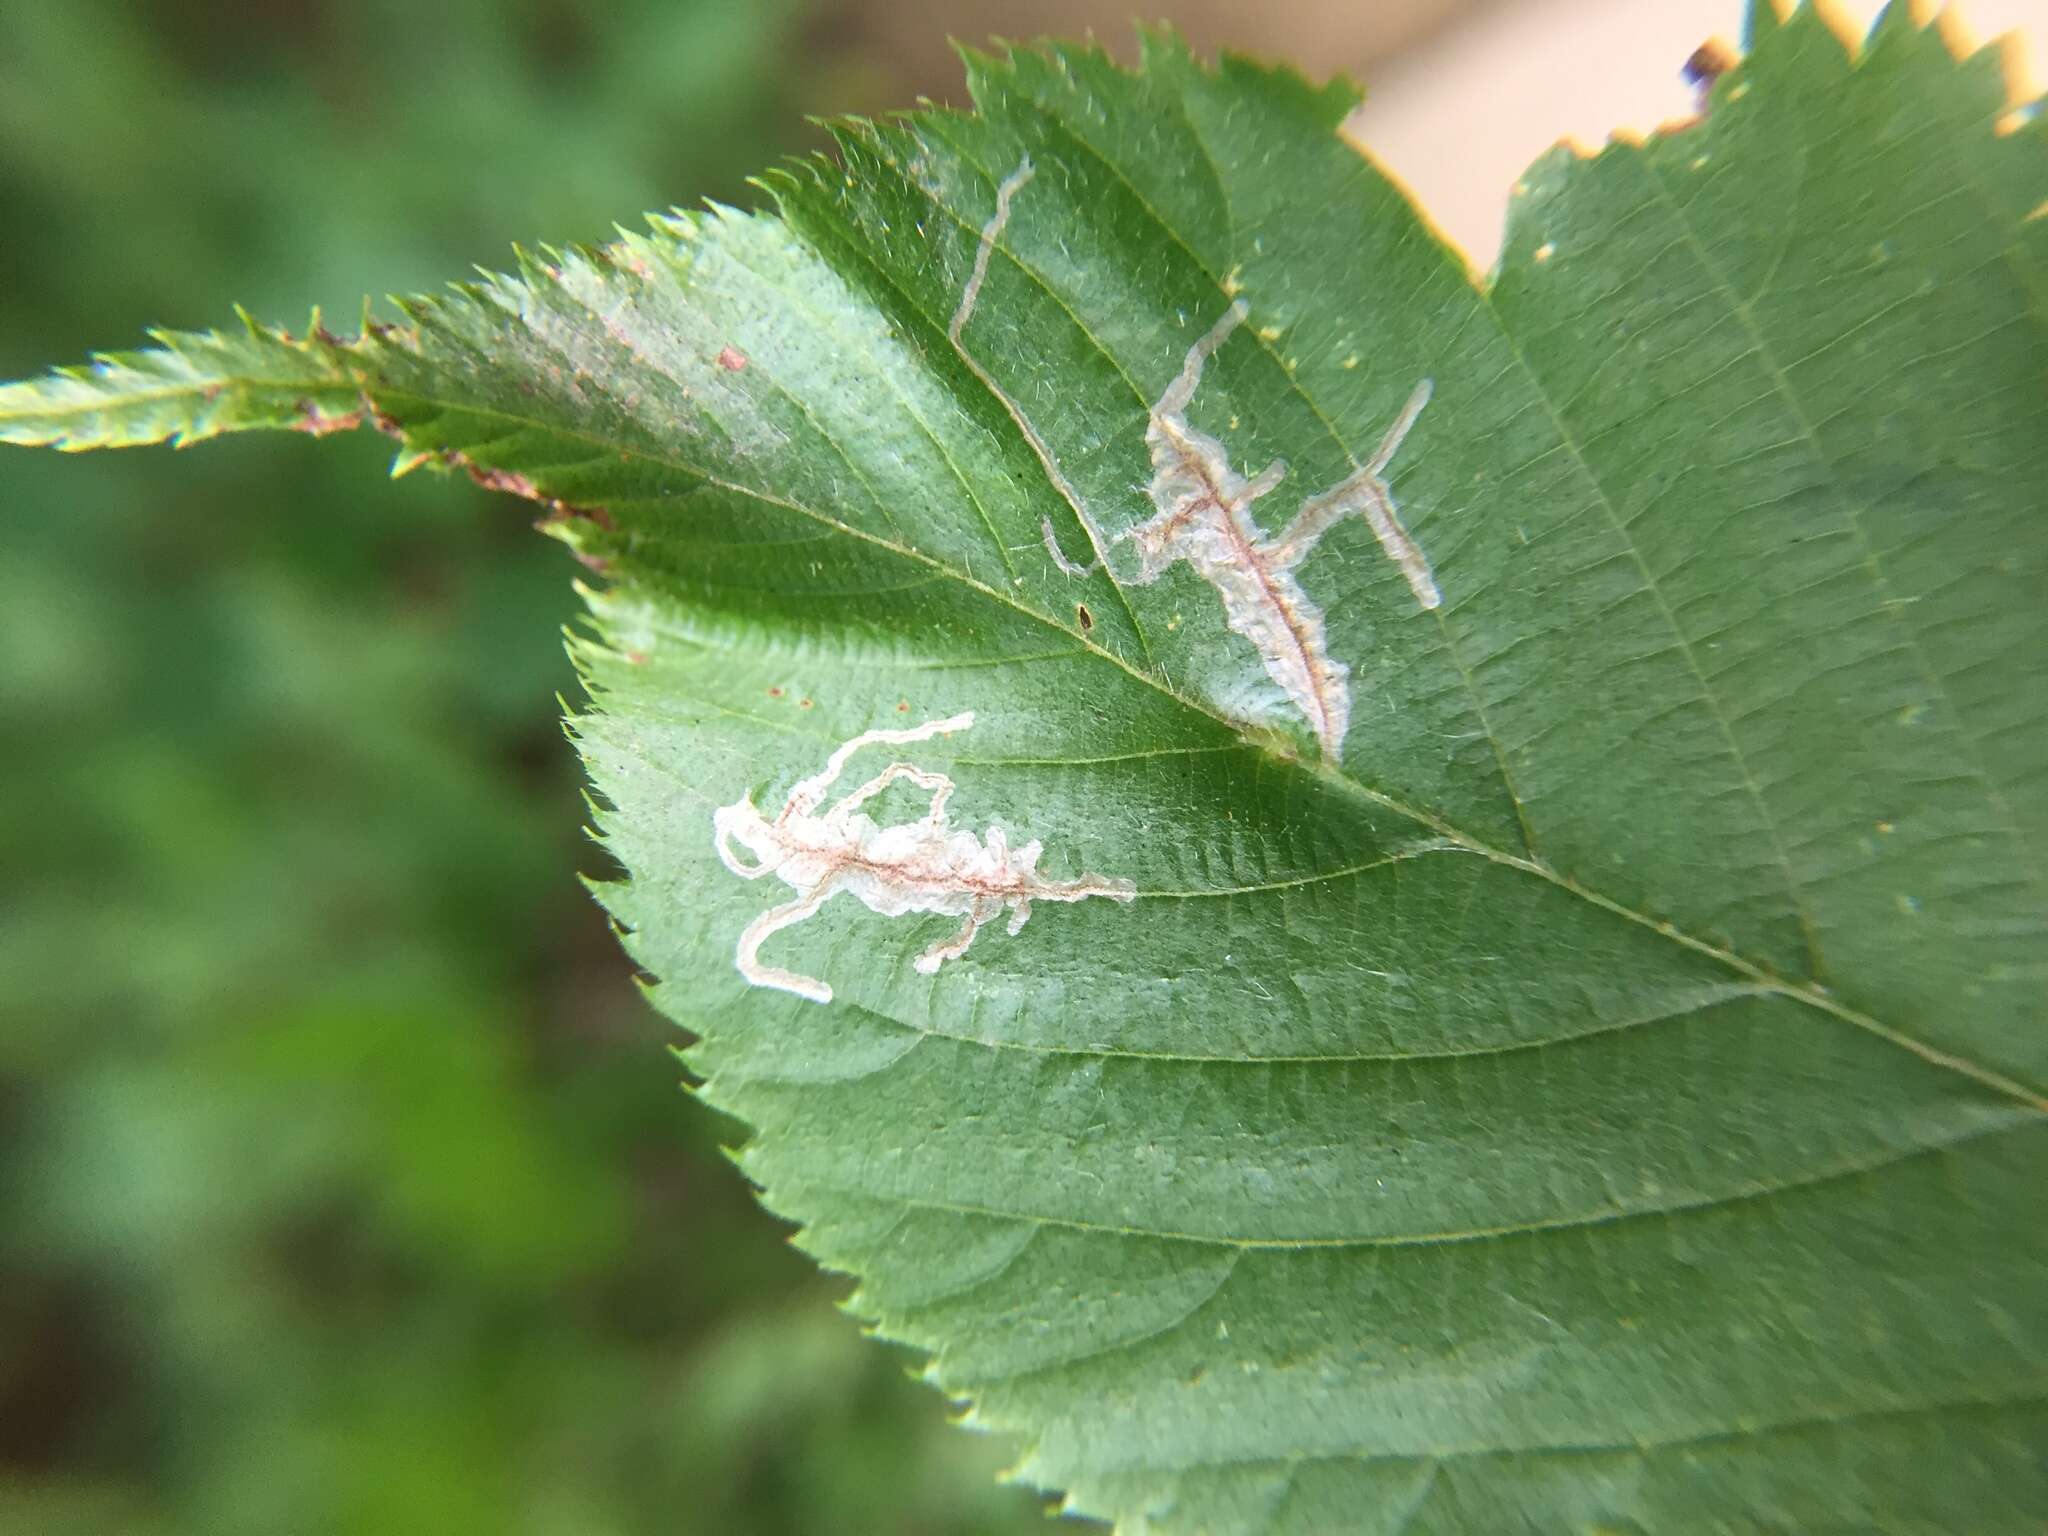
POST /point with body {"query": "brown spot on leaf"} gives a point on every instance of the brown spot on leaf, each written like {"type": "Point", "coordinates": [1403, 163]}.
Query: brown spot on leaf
{"type": "Point", "coordinates": [491, 478]}
{"type": "Point", "coordinates": [774, 693]}
{"type": "Point", "coordinates": [513, 483]}
{"type": "Point", "coordinates": [732, 359]}
{"type": "Point", "coordinates": [1708, 63]}
{"type": "Point", "coordinates": [1087, 619]}
{"type": "Point", "coordinates": [383, 422]}
{"type": "Point", "coordinates": [315, 422]}
{"type": "Point", "coordinates": [803, 703]}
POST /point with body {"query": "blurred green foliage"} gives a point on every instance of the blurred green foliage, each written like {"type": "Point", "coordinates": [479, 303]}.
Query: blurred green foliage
{"type": "Point", "coordinates": [345, 1185]}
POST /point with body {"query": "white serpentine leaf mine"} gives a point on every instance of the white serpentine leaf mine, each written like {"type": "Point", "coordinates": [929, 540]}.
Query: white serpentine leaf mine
{"type": "Point", "coordinates": [990, 233]}
{"type": "Point", "coordinates": [920, 866]}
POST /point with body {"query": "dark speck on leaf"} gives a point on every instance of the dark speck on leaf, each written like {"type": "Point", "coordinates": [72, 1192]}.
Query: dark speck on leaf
{"type": "Point", "coordinates": [1708, 63]}
{"type": "Point", "coordinates": [1087, 619]}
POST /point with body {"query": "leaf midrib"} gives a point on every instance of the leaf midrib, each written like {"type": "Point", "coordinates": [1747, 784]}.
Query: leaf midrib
{"type": "Point", "coordinates": [1174, 237]}
{"type": "Point", "coordinates": [352, 356]}
{"type": "Point", "coordinates": [1322, 770]}
{"type": "Point", "coordinates": [1809, 992]}
{"type": "Point", "coordinates": [1566, 440]}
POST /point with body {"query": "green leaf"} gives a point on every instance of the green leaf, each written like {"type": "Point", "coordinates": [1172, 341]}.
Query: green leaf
{"type": "Point", "coordinates": [191, 387]}
{"type": "Point", "coordinates": [1525, 1006]}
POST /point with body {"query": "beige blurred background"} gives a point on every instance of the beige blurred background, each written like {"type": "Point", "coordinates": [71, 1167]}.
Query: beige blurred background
{"type": "Point", "coordinates": [1461, 94]}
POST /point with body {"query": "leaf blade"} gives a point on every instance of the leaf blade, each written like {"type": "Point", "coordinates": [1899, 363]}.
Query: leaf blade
{"type": "Point", "coordinates": [1546, 1111]}
{"type": "Point", "coordinates": [190, 387]}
